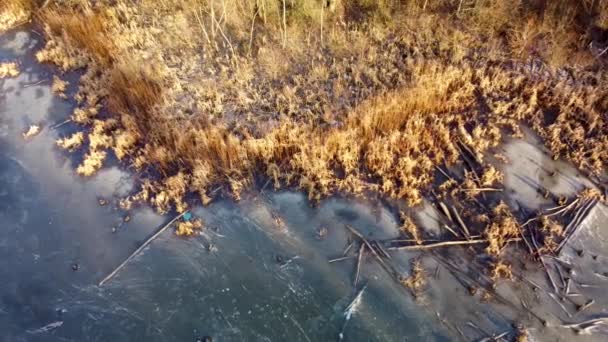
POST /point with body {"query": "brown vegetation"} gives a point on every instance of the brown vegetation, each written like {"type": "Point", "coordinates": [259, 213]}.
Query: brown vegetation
{"type": "Point", "coordinates": [501, 270]}
{"type": "Point", "coordinates": [14, 12]}
{"type": "Point", "coordinates": [59, 87]}
{"type": "Point", "coordinates": [188, 228]}
{"type": "Point", "coordinates": [32, 131]}
{"type": "Point", "coordinates": [72, 142]}
{"type": "Point", "coordinates": [350, 96]}
{"type": "Point", "coordinates": [417, 279]}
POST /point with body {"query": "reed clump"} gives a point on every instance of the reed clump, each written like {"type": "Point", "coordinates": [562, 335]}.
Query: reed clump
{"type": "Point", "coordinates": [13, 13]}
{"type": "Point", "coordinates": [417, 279]}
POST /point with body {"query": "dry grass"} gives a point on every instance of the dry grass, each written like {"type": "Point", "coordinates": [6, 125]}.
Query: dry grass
{"type": "Point", "coordinates": [13, 13]}
{"type": "Point", "coordinates": [417, 279]}
{"type": "Point", "coordinates": [522, 335]}
{"type": "Point", "coordinates": [552, 233]}
{"type": "Point", "coordinates": [10, 69]}
{"type": "Point", "coordinates": [188, 228]}
{"type": "Point", "coordinates": [72, 142]}
{"type": "Point", "coordinates": [409, 227]}
{"type": "Point", "coordinates": [501, 270]}
{"type": "Point", "coordinates": [59, 87]}
{"type": "Point", "coordinates": [93, 161]}
{"type": "Point", "coordinates": [502, 227]}
{"type": "Point", "coordinates": [32, 131]}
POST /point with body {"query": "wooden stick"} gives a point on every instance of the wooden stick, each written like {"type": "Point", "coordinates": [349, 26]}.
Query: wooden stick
{"type": "Point", "coordinates": [589, 323]}
{"type": "Point", "coordinates": [542, 261]}
{"type": "Point", "coordinates": [577, 216]}
{"type": "Point", "coordinates": [361, 251]}
{"type": "Point", "coordinates": [603, 52]}
{"type": "Point", "coordinates": [357, 234]}
{"type": "Point", "coordinates": [482, 189]}
{"type": "Point", "coordinates": [566, 208]}
{"type": "Point", "coordinates": [200, 22]}
{"type": "Point", "coordinates": [144, 245]}
{"type": "Point", "coordinates": [34, 84]}
{"type": "Point", "coordinates": [450, 230]}
{"type": "Point", "coordinates": [461, 222]}
{"type": "Point", "coordinates": [341, 259]}
{"type": "Point", "coordinates": [586, 306]}
{"type": "Point", "coordinates": [465, 147]}
{"type": "Point", "coordinates": [445, 210]}
{"type": "Point", "coordinates": [576, 221]}
{"type": "Point", "coordinates": [562, 211]}
{"type": "Point", "coordinates": [405, 240]}
{"type": "Point", "coordinates": [521, 233]}
{"type": "Point", "coordinates": [61, 124]}
{"type": "Point", "coordinates": [46, 2]}
{"type": "Point", "coordinates": [444, 173]}
{"type": "Point", "coordinates": [540, 257]}
{"type": "Point", "coordinates": [348, 248]}
{"type": "Point", "coordinates": [561, 275]}
{"type": "Point", "coordinates": [381, 250]}
{"type": "Point", "coordinates": [560, 304]}
{"type": "Point", "coordinates": [223, 35]}
{"type": "Point", "coordinates": [527, 308]}
{"type": "Point", "coordinates": [439, 244]}
{"type": "Point", "coordinates": [389, 269]}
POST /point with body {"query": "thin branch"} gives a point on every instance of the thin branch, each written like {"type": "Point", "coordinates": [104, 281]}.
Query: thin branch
{"type": "Point", "coordinates": [361, 251]}
{"type": "Point", "coordinates": [586, 306]}
{"type": "Point", "coordinates": [381, 250]}
{"type": "Point", "coordinates": [542, 261]}
{"type": "Point", "coordinates": [46, 2]}
{"type": "Point", "coordinates": [483, 190]}
{"type": "Point", "coordinates": [141, 248]}
{"type": "Point", "coordinates": [61, 124]}
{"type": "Point", "coordinates": [444, 173]}
{"type": "Point", "coordinates": [224, 36]}
{"type": "Point", "coordinates": [461, 222]}
{"type": "Point", "coordinates": [587, 325]}
{"type": "Point", "coordinates": [575, 223]}
{"type": "Point", "coordinates": [341, 259]}
{"type": "Point", "coordinates": [554, 297]}
{"type": "Point", "coordinates": [445, 210]}
{"type": "Point", "coordinates": [388, 268]}
{"type": "Point", "coordinates": [439, 244]}
{"type": "Point", "coordinates": [451, 230]}
{"type": "Point", "coordinates": [348, 248]}
{"type": "Point", "coordinates": [200, 22]}
{"type": "Point", "coordinates": [561, 211]}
